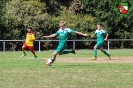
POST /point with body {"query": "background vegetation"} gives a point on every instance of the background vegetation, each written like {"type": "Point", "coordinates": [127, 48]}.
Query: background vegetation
{"type": "Point", "coordinates": [44, 17]}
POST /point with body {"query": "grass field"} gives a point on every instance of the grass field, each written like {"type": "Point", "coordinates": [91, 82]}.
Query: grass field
{"type": "Point", "coordinates": [68, 71]}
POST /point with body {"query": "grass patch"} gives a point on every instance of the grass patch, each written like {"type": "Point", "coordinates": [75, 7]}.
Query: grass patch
{"type": "Point", "coordinates": [17, 72]}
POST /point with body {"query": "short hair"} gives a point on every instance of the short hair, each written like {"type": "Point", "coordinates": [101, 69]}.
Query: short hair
{"type": "Point", "coordinates": [63, 22]}
{"type": "Point", "coordinates": [30, 27]}
{"type": "Point", "coordinates": [99, 24]}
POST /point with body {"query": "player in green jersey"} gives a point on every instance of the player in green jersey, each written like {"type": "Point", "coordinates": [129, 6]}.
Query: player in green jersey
{"type": "Point", "coordinates": [102, 36]}
{"type": "Point", "coordinates": [63, 33]}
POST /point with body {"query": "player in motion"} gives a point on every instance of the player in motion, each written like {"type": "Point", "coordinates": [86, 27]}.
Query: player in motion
{"type": "Point", "coordinates": [63, 33]}
{"type": "Point", "coordinates": [102, 36]}
{"type": "Point", "coordinates": [30, 38]}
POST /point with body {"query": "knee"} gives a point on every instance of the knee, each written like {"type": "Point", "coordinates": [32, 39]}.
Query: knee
{"type": "Point", "coordinates": [23, 48]}
{"type": "Point", "coordinates": [102, 50]}
{"type": "Point", "coordinates": [54, 54]}
{"type": "Point", "coordinates": [94, 47]}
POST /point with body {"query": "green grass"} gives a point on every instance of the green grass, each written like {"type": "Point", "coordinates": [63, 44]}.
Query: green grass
{"type": "Point", "coordinates": [17, 72]}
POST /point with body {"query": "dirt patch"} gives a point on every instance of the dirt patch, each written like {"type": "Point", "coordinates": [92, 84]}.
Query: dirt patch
{"type": "Point", "coordinates": [99, 60]}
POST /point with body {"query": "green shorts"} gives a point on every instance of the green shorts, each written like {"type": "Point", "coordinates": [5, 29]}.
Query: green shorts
{"type": "Point", "coordinates": [99, 44]}
{"type": "Point", "coordinates": [60, 48]}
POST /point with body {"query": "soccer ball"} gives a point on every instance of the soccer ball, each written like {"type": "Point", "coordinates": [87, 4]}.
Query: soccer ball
{"type": "Point", "coordinates": [49, 62]}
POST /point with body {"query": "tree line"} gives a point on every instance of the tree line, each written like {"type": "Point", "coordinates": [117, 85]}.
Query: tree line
{"type": "Point", "coordinates": [44, 16]}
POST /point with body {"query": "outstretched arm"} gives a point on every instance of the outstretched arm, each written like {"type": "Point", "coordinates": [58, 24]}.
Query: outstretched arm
{"type": "Point", "coordinates": [50, 36]}
{"type": "Point", "coordinates": [80, 33]}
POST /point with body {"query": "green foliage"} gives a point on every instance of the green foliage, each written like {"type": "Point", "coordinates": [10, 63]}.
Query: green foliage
{"type": "Point", "coordinates": [21, 14]}
{"type": "Point", "coordinates": [2, 28]}
{"type": "Point", "coordinates": [44, 16]}
{"type": "Point", "coordinates": [103, 10]}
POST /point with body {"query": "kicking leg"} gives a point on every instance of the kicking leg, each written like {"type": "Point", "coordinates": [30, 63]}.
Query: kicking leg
{"type": "Point", "coordinates": [54, 56]}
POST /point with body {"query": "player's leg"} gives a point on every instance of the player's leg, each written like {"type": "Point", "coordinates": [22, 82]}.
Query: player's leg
{"type": "Point", "coordinates": [102, 50]}
{"type": "Point", "coordinates": [54, 56]}
{"type": "Point", "coordinates": [98, 45]}
{"type": "Point", "coordinates": [60, 50]}
{"type": "Point", "coordinates": [67, 52]}
{"type": "Point", "coordinates": [57, 51]}
{"type": "Point", "coordinates": [95, 52]}
{"type": "Point", "coordinates": [31, 48]}
{"type": "Point", "coordinates": [23, 50]}
{"type": "Point", "coordinates": [35, 56]}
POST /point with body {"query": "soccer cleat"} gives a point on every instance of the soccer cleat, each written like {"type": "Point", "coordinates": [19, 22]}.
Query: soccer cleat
{"type": "Point", "coordinates": [109, 57]}
{"type": "Point", "coordinates": [73, 51]}
{"type": "Point", "coordinates": [23, 55]}
{"type": "Point", "coordinates": [35, 57]}
{"type": "Point", "coordinates": [94, 58]}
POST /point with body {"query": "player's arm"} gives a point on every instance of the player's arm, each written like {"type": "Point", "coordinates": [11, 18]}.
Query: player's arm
{"type": "Point", "coordinates": [106, 33]}
{"type": "Point", "coordinates": [50, 36]}
{"type": "Point", "coordinates": [33, 38]}
{"type": "Point", "coordinates": [80, 33]}
{"type": "Point", "coordinates": [93, 35]}
{"type": "Point", "coordinates": [106, 37]}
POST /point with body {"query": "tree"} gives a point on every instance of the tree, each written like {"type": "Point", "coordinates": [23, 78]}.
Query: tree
{"type": "Point", "coordinates": [21, 14]}
{"type": "Point", "coordinates": [103, 10]}
{"type": "Point", "coordinates": [2, 20]}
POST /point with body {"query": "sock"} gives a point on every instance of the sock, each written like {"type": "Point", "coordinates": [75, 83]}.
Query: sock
{"type": "Point", "coordinates": [34, 53]}
{"type": "Point", "coordinates": [106, 53]}
{"type": "Point", "coordinates": [23, 51]}
{"type": "Point", "coordinates": [53, 59]}
{"type": "Point", "coordinates": [67, 51]}
{"type": "Point", "coordinates": [95, 53]}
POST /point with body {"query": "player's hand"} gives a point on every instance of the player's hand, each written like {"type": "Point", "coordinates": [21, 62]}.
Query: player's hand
{"type": "Point", "coordinates": [105, 39]}
{"type": "Point", "coordinates": [45, 36]}
{"type": "Point", "coordinates": [92, 36]}
{"type": "Point", "coordinates": [85, 35]}
{"type": "Point", "coordinates": [32, 40]}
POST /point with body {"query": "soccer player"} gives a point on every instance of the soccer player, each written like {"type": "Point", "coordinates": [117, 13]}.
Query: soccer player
{"type": "Point", "coordinates": [30, 38]}
{"type": "Point", "coordinates": [63, 33]}
{"type": "Point", "coordinates": [102, 36]}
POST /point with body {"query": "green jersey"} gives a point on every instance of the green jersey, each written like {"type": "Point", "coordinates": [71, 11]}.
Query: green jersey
{"type": "Point", "coordinates": [100, 34]}
{"type": "Point", "coordinates": [63, 35]}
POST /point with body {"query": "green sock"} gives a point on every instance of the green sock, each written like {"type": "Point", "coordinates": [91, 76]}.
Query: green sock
{"type": "Point", "coordinates": [106, 53]}
{"type": "Point", "coordinates": [67, 51]}
{"type": "Point", "coordinates": [95, 53]}
{"type": "Point", "coordinates": [53, 59]}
